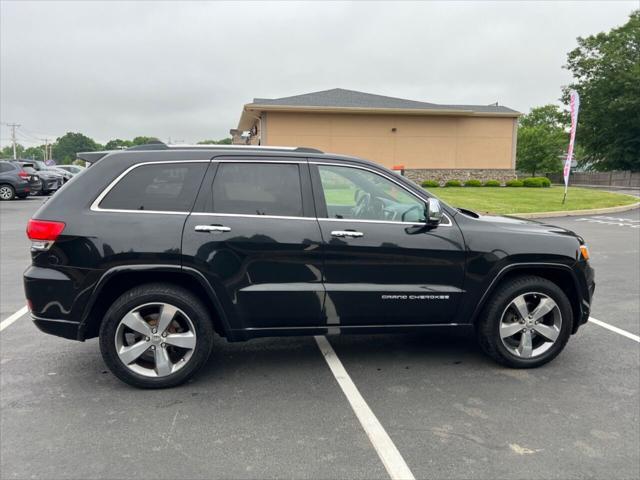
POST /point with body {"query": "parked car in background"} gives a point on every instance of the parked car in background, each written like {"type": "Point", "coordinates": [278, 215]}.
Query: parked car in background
{"type": "Point", "coordinates": [35, 182]}
{"type": "Point", "coordinates": [66, 176]}
{"type": "Point", "coordinates": [51, 180]}
{"type": "Point", "coordinates": [14, 182]}
{"type": "Point", "coordinates": [72, 169]}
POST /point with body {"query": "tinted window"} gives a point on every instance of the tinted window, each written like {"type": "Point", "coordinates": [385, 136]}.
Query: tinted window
{"type": "Point", "coordinates": [6, 167]}
{"type": "Point", "coordinates": [258, 189]}
{"type": "Point", "coordinates": [169, 187]}
{"type": "Point", "coordinates": [353, 193]}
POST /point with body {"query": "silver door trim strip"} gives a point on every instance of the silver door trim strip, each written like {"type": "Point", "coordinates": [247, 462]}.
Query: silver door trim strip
{"type": "Point", "coordinates": [347, 327]}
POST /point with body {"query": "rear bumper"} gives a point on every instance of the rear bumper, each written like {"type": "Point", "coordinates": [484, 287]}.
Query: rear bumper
{"type": "Point", "coordinates": [59, 328]}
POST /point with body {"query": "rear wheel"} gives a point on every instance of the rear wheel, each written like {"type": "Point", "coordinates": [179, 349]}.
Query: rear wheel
{"type": "Point", "coordinates": [7, 192]}
{"type": "Point", "coordinates": [156, 336]}
{"type": "Point", "coordinates": [526, 323]}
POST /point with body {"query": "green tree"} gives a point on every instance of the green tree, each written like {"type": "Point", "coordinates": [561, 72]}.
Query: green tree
{"type": "Point", "coordinates": [224, 141]}
{"type": "Point", "coordinates": [34, 153]}
{"type": "Point", "coordinates": [117, 144]}
{"type": "Point", "coordinates": [144, 140]}
{"type": "Point", "coordinates": [7, 152]}
{"type": "Point", "coordinates": [66, 147]}
{"type": "Point", "coordinates": [542, 140]}
{"type": "Point", "coordinates": [606, 74]}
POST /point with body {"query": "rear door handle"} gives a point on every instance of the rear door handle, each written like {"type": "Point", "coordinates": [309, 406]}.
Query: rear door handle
{"type": "Point", "coordinates": [347, 233]}
{"type": "Point", "coordinates": [211, 228]}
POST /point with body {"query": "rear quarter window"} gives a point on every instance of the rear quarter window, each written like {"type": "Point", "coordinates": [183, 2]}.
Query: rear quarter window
{"type": "Point", "coordinates": [6, 167]}
{"type": "Point", "coordinates": [167, 187]}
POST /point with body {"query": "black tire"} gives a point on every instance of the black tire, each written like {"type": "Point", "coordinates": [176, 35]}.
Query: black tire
{"type": "Point", "coordinates": [7, 192]}
{"type": "Point", "coordinates": [152, 293]}
{"type": "Point", "coordinates": [488, 326]}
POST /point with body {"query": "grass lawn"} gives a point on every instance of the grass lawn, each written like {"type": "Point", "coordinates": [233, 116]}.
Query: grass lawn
{"type": "Point", "coordinates": [527, 200]}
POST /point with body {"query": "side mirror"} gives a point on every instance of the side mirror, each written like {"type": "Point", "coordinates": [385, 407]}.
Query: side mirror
{"type": "Point", "coordinates": [433, 212]}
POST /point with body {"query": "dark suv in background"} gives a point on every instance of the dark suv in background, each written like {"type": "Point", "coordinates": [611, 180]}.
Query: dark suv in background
{"type": "Point", "coordinates": [156, 247]}
{"type": "Point", "coordinates": [15, 181]}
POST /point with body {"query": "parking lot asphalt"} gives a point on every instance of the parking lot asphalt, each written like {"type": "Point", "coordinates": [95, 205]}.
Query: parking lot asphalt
{"type": "Point", "coordinates": [271, 408]}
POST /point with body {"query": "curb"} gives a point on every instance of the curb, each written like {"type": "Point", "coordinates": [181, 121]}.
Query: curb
{"type": "Point", "coordinates": [574, 213]}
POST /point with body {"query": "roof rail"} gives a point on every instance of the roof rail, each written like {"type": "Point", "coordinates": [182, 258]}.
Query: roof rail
{"type": "Point", "coordinates": [218, 146]}
{"type": "Point", "coordinates": [93, 157]}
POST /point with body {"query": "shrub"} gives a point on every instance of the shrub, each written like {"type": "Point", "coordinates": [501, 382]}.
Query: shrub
{"type": "Point", "coordinates": [473, 183]}
{"type": "Point", "coordinates": [492, 183]}
{"type": "Point", "coordinates": [430, 184]}
{"type": "Point", "coordinates": [537, 182]}
{"type": "Point", "coordinates": [515, 183]}
{"type": "Point", "coordinates": [453, 183]}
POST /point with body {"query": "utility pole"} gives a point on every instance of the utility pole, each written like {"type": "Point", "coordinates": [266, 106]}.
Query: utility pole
{"type": "Point", "coordinates": [13, 137]}
{"type": "Point", "coordinates": [46, 148]}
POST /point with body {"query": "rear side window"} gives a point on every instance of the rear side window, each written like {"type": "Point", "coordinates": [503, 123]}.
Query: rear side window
{"type": "Point", "coordinates": [6, 167]}
{"type": "Point", "coordinates": [167, 187]}
{"type": "Point", "coordinates": [258, 189]}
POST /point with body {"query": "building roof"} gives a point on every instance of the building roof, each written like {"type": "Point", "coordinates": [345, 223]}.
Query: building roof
{"type": "Point", "coordinates": [351, 101]}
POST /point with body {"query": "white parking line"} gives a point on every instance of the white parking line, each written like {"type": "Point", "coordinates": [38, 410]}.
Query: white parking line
{"type": "Point", "coordinates": [8, 321]}
{"type": "Point", "coordinates": [392, 460]}
{"type": "Point", "coordinates": [619, 331]}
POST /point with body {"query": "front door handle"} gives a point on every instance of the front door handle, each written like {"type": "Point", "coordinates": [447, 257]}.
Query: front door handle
{"type": "Point", "coordinates": [347, 233]}
{"type": "Point", "coordinates": [211, 228]}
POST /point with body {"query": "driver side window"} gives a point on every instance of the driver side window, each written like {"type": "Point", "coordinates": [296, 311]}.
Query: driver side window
{"type": "Point", "coordinates": [352, 193]}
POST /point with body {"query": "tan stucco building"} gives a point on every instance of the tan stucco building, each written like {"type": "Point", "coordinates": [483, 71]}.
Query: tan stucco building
{"type": "Point", "coordinates": [428, 140]}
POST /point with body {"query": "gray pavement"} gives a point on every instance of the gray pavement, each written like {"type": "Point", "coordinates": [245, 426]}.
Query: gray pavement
{"type": "Point", "coordinates": [271, 408]}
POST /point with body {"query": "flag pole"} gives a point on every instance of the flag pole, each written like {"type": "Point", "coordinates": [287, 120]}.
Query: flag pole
{"type": "Point", "coordinates": [575, 106]}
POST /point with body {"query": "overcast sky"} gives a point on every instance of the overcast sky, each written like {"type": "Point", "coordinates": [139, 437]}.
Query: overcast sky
{"type": "Point", "coordinates": [182, 71]}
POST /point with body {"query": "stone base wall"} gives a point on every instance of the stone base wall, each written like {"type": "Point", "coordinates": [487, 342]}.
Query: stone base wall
{"type": "Point", "coordinates": [419, 175]}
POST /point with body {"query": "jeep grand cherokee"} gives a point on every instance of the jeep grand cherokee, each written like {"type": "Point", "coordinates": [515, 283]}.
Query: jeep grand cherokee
{"type": "Point", "coordinates": [154, 248]}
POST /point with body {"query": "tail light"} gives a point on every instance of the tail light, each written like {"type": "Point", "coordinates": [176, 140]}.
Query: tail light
{"type": "Point", "coordinates": [43, 233]}
{"type": "Point", "coordinates": [24, 175]}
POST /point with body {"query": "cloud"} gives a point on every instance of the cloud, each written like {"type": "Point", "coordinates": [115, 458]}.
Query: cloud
{"type": "Point", "coordinates": [183, 70]}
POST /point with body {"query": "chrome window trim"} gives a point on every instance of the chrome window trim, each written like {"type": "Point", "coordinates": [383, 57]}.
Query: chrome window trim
{"type": "Point", "coordinates": [359, 220]}
{"type": "Point", "coordinates": [375, 172]}
{"type": "Point", "coordinates": [246, 215]}
{"type": "Point", "coordinates": [95, 206]}
{"type": "Point", "coordinates": [225, 160]}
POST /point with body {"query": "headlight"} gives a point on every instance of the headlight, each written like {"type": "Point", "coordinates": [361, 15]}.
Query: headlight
{"type": "Point", "coordinates": [584, 252]}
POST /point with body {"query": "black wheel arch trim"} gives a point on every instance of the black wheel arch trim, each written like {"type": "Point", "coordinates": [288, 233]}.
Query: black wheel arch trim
{"type": "Point", "coordinates": [196, 275]}
{"type": "Point", "coordinates": [529, 267]}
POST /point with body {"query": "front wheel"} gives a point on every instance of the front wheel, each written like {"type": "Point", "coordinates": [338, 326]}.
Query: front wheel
{"type": "Point", "coordinates": [526, 323]}
{"type": "Point", "coordinates": [156, 336]}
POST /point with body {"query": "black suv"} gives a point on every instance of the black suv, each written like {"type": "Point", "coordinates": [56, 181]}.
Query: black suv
{"type": "Point", "coordinates": [156, 247]}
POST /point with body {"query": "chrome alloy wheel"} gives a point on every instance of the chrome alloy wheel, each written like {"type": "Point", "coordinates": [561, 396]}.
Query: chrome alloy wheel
{"type": "Point", "coordinates": [6, 193]}
{"type": "Point", "coordinates": [530, 325]}
{"type": "Point", "coordinates": [155, 339]}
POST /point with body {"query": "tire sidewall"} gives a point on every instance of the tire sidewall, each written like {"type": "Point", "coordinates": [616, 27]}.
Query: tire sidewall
{"type": "Point", "coordinates": [182, 299]}
{"type": "Point", "coordinates": [538, 286]}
